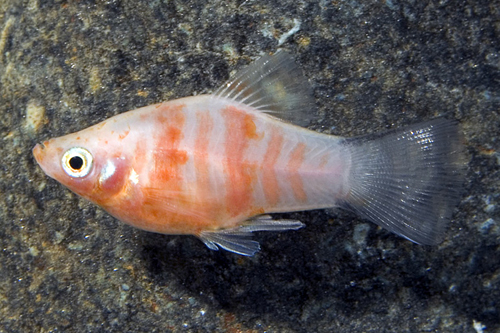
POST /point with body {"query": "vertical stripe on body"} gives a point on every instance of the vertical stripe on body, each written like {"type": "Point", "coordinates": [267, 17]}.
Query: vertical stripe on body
{"type": "Point", "coordinates": [241, 174]}
{"type": "Point", "coordinates": [269, 179]}
{"type": "Point", "coordinates": [295, 161]}
{"type": "Point", "coordinates": [168, 158]}
{"type": "Point", "coordinates": [163, 194]}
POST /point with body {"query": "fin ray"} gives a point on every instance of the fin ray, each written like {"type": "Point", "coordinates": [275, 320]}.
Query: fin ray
{"type": "Point", "coordinates": [274, 85]}
{"type": "Point", "coordinates": [236, 243]}
{"type": "Point", "coordinates": [237, 239]}
{"type": "Point", "coordinates": [409, 181]}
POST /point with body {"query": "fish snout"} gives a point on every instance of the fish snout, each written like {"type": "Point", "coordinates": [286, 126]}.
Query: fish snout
{"type": "Point", "coordinates": [39, 152]}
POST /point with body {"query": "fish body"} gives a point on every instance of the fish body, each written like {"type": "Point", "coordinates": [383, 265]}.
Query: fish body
{"type": "Point", "coordinates": [214, 165]}
{"type": "Point", "coordinates": [204, 163]}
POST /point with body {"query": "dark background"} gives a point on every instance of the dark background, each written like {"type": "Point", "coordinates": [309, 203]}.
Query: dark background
{"type": "Point", "coordinates": [66, 266]}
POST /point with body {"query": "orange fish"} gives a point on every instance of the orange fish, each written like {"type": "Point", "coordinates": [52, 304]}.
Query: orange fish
{"type": "Point", "coordinates": [214, 165]}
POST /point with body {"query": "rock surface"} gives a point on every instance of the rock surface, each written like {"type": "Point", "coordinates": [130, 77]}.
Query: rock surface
{"type": "Point", "coordinates": [67, 266]}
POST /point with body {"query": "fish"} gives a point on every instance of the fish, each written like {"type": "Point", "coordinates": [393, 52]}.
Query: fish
{"type": "Point", "coordinates": [217, 165]}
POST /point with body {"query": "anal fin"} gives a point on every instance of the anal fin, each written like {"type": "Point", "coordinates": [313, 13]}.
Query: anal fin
{"type": "Point", "coordinates": [237, 239]}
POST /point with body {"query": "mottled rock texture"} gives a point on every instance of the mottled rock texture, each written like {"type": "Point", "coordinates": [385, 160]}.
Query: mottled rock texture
{"type": "Point", "coordinates": [66, 266]}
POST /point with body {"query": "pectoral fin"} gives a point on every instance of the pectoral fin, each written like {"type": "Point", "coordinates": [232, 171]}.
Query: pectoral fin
{"type": "Point", "coordinates": [237, 239]}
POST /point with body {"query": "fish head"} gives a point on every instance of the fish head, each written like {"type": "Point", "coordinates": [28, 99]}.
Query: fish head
{"type": "Point", "coordinates": [87, 167]}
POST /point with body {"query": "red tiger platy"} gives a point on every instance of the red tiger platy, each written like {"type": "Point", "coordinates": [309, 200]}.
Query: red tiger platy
{"type": "Point", "coordinates": [214, 165]}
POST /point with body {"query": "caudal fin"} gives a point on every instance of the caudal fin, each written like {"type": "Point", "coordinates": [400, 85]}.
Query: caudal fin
{"type": "Point", "coordinates": [409, 181]}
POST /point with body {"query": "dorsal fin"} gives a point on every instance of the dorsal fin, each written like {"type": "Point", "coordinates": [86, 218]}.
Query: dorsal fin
{"type": "Point", "coordinates": [275, 85]}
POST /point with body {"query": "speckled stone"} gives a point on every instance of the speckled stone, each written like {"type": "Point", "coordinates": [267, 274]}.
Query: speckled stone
{"type": "Point", "coordinates": [67, 266]}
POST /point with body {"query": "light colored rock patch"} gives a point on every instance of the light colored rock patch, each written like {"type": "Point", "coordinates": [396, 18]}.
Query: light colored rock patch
{"type": "Point", "coordinates": [35, 116]}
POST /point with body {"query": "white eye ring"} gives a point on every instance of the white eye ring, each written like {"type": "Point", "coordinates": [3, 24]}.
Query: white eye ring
{"type": "Point", "coordinates": [77, 162]}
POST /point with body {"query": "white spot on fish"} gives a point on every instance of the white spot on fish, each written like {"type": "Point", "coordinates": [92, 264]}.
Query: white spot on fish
{"type": "Point", "coordinates": [134, 177]}
{"type": "Point", "coordinates": [109, 170]}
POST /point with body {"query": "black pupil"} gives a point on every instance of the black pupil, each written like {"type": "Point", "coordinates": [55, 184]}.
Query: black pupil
{"type": "Point", "coordinates": [76, 162]}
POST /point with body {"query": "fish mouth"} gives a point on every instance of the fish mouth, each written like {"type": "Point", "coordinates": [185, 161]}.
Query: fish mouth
{"type": "Point", "coordinates": [38, 152]}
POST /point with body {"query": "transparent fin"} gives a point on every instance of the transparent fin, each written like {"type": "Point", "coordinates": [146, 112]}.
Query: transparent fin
{"type": "Point", "coordinates": [275, 85]}
{"type": "Point", "coordinates": [409, 181]}
{"type": "Point", "coordinates": [229, 240]}
{"type": "Point", "coordinates": [237, 239]}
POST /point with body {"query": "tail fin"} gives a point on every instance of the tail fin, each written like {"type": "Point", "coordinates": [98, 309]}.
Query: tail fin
{"type": "Point", "coordinates": [409, 181]}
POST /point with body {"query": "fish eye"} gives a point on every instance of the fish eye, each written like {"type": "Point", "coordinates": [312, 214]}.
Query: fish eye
{"type": "Point", "coordinates": [77, 162]}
